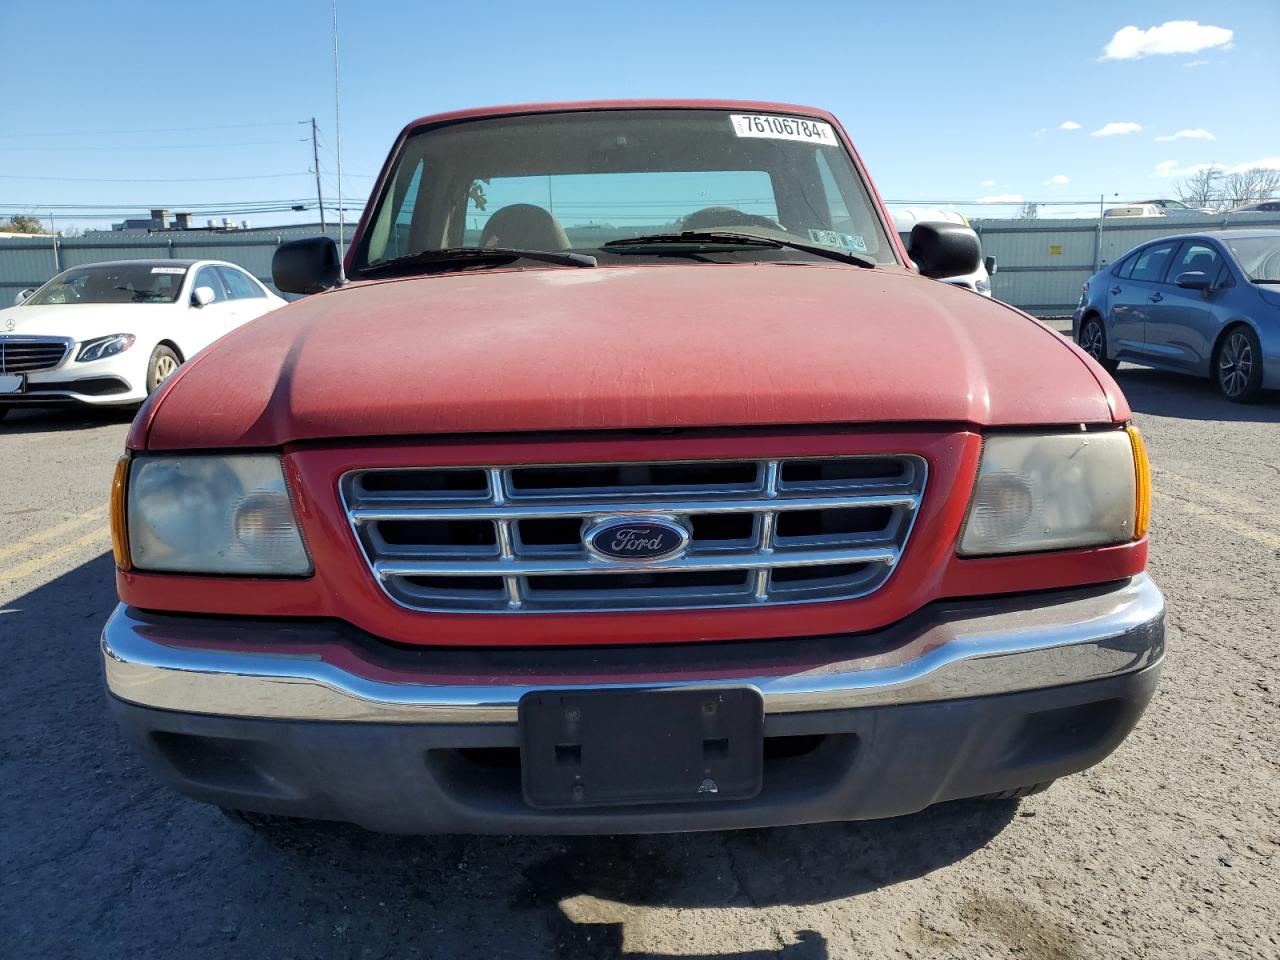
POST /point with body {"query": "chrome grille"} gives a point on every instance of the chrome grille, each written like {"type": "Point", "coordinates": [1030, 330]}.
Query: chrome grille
{"type": "Point", "coordinates": [25, 354]}
{"type": "Point", "coordinates": [509, 539]}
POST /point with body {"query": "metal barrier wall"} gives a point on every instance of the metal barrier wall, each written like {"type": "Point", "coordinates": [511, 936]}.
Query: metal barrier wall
{"type": "Point", "coordinates": [1042, 263]}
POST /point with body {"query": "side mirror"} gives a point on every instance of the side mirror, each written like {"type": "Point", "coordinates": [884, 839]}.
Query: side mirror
{"type": "Point", "coordinates": [202, 296]}
{"type": "Point", "coordinates": [1193, 280]}
{"type": "Point", "coordinates": [22, 297]}
{"type": "Point", "coordinates": [306, 266]}
{"type": "Point", "coordinates": [990, 264]}
{"type": "Point", "coordinates": [944, 249]}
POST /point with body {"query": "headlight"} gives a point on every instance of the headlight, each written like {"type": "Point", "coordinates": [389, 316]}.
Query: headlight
{"type": "Point", "coordinates": [983, 285]}
{"type": "Point", "coordinates": [1058, 492]}
{"type": "Point", "coordinates": [103, 347]}
{"type": "Point", "coordinates": [206, 514]}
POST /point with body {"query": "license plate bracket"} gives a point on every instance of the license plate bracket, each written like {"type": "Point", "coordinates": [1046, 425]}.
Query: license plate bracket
{"type": "Point", "coordinates": [583, 748]}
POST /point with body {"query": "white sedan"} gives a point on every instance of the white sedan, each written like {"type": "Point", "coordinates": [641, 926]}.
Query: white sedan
{"type": "Point", "coordinates": [108, 334]}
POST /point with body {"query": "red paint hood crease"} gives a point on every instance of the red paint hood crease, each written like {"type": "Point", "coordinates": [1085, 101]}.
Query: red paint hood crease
{"type": "Point", "coordinates": [625, 348]}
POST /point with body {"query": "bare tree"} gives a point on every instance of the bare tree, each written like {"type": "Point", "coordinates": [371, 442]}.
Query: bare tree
{"type": "Point", "coordinates": [1201, 189]}
{"type": "Point", "coordinates": [1250, 186]}
{"type": "Point", "coordinates": [1029, 211]}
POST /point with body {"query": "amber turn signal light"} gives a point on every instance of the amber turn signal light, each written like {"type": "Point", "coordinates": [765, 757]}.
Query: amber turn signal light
{"type": "Point", "coordinates": [1142, 486]}
{"type": "Point", "coordinates": [119, 529]}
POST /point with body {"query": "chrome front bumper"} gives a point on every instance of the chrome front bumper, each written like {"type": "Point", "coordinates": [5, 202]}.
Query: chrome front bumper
{"type": "Point", "coordinates": [306, 670]}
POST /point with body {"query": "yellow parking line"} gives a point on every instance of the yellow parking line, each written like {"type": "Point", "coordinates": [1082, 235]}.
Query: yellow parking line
{"type": "Point", "coordinates": [1221, 520]}
{"type": "Point", "coordinates": [1257, 512]}
{"type": "Point", "coordinates": [89, 516]}
{"type": "Point", "coordinates": [98, 535]}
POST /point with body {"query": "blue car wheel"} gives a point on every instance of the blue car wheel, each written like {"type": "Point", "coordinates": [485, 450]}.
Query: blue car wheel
{"type": "Point", "coordinates": [1238, 365]}
{"type": "Point", "coordinates": [1093, 341]}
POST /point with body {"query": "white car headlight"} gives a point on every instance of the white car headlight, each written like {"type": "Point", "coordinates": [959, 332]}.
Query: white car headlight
{"type": "Point", "coordinates": [212, 514]}
{"type": "Point", "coordinates": [103, 347]}
{"type": "Point", "coordinates": [1057, 492]}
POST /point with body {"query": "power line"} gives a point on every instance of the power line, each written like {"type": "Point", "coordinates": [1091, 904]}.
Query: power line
{"type": "Point", "coordinates": [139, 204]}
{"type": "Point", "coordinates": [324, 147]}
{"type": "Point", "coordinates": [224, 210]}
{"type": "Point", "coordinates": [210, 214]}
{"type": "Point", "coordinates": [258, 176]}
{"type": "Point", "coordinates": [104, 133]}
{"type": "Point", "coordinates": [995, 203]}
{"type": "Point", "coordinates": [173, 146]}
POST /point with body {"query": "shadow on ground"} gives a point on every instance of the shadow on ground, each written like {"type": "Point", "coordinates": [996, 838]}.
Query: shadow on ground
{"type": "Point", "coordinates": [97, 860]}
{"type": "Point", "coordinates": [55, 419]}
{"type": "Point", "coordinates": [1192, 398]}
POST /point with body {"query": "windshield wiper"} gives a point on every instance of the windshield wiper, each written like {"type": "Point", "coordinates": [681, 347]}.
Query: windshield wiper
{"type": "Point", "coordinates": [1266, 280]}
{"type": "Point", "coordinates": [739, 239]}
{"type": "Point", "coordinates": [464, 256]}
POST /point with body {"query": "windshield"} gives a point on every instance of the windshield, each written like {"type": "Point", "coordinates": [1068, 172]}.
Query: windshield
{"type": "Point", "coordinates": [576, 181]}
{"type": "Point", "coordinates": [1259, 257]}
{"type": "Point", "coordinates": [113, 283]}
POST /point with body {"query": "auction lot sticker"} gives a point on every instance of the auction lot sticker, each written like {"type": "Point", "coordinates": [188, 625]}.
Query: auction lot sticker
{"type": "Point", "coordinates": [783, 128]}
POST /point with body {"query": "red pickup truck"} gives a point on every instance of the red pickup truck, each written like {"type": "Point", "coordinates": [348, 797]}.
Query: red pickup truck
{"type": "Point", "coordinates": [630, 475]}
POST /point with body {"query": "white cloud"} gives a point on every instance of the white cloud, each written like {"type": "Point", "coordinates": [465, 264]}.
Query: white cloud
{"type": "Point", "coordinates": [1199, 133]}
{"type": "Point", "coordinates": [1269, 163]}
{"type": "Point", "coordinates": [1001, 198]}
{"type": "Point", "coordinates": [1068, 125]}
{"type": "Point", "coordinates": [1195, 63]}
{"type": "Point", "coordinates": [1059, 181]}
{"type": "Point", "coordinates": [1170, 168]}
{"type": "Point", "coordinates": [987, 183]}
{"type": "Point", "coordinates": [1173, 36]}
{"type": "Point", "coordinates": [1040, 133]}
{"type": "Point", "coordinates": [1115, 128]}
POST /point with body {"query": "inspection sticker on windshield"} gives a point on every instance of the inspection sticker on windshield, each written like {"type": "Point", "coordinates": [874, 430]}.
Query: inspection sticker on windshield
{"type": "Point", "coordinates": [850, 241]}
{"type": "Point", "coordinates": [168, 269]}
{"type": "Point", "coordinates": [783, 128]}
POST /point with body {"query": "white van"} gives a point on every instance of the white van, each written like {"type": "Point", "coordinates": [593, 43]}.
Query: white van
{"type": "Point", "coordinates": [905, 218]}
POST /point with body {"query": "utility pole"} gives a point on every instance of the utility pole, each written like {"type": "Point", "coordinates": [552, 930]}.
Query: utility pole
{"type": "Point", "coordinates": [315, 153]}
{"type": "Point", "coordinates": [1097, 239]}
{"type": "Point", "coordinates": [53, 232]}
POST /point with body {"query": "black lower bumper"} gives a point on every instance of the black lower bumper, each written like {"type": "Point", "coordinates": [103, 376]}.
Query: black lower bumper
{"type": "Point", "coordinates": [855, 764]}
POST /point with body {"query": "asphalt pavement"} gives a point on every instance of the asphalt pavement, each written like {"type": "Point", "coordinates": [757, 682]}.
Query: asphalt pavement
{"type": "Point", "coordinates": [1170, 848]}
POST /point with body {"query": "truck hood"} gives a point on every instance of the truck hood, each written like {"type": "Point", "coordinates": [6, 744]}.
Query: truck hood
{"type": "Point", "coordinates": [626, 348]}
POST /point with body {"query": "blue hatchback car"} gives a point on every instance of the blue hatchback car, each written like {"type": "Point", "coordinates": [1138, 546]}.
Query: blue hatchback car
{"type": "Point", "coordinates": [1207, 304]}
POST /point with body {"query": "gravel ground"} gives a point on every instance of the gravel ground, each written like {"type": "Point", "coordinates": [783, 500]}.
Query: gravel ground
{"type": "Point", "coordinates": [1170, 848]}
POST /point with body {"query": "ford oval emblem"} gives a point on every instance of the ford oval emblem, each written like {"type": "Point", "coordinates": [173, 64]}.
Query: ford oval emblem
{"type": "Point", "coordinates": [636, 539]}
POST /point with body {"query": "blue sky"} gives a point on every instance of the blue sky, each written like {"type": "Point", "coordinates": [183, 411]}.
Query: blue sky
{"type": "Point", "coordinates": [946, 101]}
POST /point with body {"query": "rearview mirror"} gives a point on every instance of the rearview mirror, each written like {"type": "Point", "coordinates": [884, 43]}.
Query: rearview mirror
{"type": "Point", "coordinates": [202, 296]}
{"type": "Point", "coordinates": [1193, 280]}
{"type": "Point", "coordinates": [990, 264]}
{"type": "Point", "coordinates": [944, 249]}
{"type": "Point", "coordinates": [22, 297]}
{"type": "Point", "coordinates": [306, 266]}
